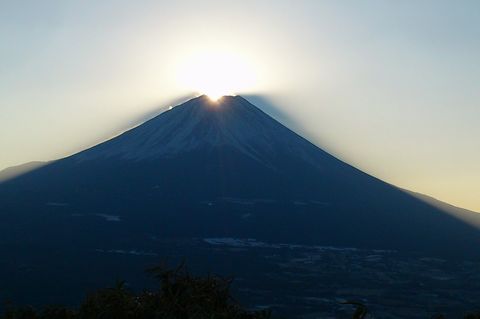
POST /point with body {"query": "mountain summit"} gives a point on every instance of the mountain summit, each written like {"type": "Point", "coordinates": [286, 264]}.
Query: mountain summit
{"type": "Point", "coordinates": [201, 124]}
{"type": "Point", "coordinates": [227, 169]}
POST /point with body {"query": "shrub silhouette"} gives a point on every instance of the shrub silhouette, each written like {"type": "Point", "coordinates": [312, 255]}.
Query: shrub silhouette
{"type": "Point", "coordinates": [180, 296]}
{"type": "Point", "coordinates": [361, 310]}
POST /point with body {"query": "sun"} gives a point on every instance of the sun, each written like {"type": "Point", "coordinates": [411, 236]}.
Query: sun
{"type": "Point", "coordinates": [217, 73]}
{"type": "Point", "coordinates": [214, 97]}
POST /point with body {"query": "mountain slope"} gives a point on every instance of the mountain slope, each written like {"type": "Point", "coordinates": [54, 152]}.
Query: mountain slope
{"type": "Point", "coordinates": [14, 171]}
{"type": "Point", "coordinates": [228, 169]}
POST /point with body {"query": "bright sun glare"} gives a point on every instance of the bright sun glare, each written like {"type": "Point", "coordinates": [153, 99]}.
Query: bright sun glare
{"type": "Point", "coordinates": [216, 74]}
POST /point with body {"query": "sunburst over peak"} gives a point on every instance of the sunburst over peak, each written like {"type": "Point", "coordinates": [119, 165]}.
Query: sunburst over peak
{"type": "Point", "coordinates": [217, 73]}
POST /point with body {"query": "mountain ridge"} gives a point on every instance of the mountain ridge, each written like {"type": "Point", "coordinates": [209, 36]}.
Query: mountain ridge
{"type": "Point", "coordinates": [17, 170]}
{"type": "Point", "coordinates": [177, 169]}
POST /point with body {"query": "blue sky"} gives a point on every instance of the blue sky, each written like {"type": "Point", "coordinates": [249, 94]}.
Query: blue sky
{"type": "Point", "coordinates": [392, 87]}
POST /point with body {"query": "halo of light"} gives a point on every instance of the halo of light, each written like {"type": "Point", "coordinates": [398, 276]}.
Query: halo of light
{"type": "Point", "coordinates": [217, 73]}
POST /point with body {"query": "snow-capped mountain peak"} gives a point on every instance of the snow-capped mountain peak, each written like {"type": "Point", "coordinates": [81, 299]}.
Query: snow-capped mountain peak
{"type": "Point", "coordinates": [201, 123]}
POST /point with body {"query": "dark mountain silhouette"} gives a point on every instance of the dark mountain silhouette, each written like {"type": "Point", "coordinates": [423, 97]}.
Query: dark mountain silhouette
{"type": "Point", "coordinates": [227, 169]}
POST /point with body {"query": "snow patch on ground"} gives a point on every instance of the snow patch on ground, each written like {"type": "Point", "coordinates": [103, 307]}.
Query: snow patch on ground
{"type": "Point", "coordinates": [316, 202]}
{"type": "Point", "coordinates": [56, 204]}
{"type": "Point", "coordinates": [127, 252]}
{"type": "Point", "coordinates": [109, 218]}
{"type": "Point", "coordinates": [299, 203]}
{"type": "Point", "coordinates": [253, 243]}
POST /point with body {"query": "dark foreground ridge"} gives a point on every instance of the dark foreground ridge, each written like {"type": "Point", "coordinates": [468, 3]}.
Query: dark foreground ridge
{"type": "Point", "coordinates": [180, 296]}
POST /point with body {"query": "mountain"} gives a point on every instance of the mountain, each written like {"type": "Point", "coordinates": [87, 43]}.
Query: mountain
{"type": "Point", "coordinates": [223, 169]}
{"type": "Point", "coordinates": [14, 171]}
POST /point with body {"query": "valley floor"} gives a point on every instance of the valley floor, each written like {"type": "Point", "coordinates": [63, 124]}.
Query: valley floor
{"type": "Point", "coordinates": [292, 280]}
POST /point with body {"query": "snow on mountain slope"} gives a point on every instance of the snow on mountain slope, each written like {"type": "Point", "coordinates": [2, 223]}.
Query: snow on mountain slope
{"type": "Point", "coordinates": [202, 124]}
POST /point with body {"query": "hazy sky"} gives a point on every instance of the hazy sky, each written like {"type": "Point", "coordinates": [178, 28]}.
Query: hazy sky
{"type": "Point", "coordinates": [392, 87]}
